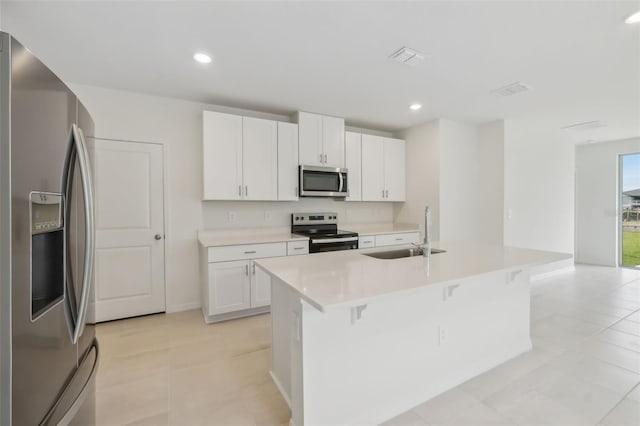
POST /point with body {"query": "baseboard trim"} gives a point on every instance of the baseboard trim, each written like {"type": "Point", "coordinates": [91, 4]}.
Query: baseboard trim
{"type": "Point", "coordinates": [280, 388]}
{"type": "Point", "coordinates": [210, 319]}
{"type": "Point", "coordinates": [182, 307]}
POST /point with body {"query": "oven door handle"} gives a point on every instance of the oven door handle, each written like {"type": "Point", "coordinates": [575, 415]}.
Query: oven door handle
{"type": "Point", "coordinates": [333, 240]}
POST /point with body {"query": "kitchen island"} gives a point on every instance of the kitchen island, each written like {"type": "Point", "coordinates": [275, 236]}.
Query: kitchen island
{"type": "Point", "coordinates": [358, 340]}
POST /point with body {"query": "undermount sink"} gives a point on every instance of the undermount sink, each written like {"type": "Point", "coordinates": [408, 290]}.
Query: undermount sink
{"type": "Point", "coordinates": [397, 254]}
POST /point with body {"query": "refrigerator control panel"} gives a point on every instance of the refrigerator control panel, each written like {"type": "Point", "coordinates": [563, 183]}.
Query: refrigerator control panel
{"type": "Point", "coordinates": [46, 212]}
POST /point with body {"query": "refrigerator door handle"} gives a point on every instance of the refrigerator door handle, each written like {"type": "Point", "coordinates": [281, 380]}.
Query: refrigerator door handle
{"type": "Point", "coordinates": [70, 302]}
{"type": "Point", "coordinates": [89, 246]}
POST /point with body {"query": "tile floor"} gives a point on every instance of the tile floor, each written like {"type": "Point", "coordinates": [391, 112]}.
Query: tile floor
{"type": "Point", "coordinates": [584, 368]}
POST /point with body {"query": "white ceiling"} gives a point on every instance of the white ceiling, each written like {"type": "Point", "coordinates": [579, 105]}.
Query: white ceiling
{"type": "Point", "coordinates": [582, 61]}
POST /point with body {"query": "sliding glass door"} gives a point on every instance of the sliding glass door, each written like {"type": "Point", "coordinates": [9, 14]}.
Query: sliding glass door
{"type": "Point", "coordinates": [629, 210]}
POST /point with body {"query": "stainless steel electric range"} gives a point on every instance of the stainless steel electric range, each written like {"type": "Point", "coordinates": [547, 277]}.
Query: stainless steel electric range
{"type": "Point", "coordinates": [322, 230]}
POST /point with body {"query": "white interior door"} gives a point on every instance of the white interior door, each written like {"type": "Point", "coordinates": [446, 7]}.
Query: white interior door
{"type": "Point", "coordinates": [129, 197]}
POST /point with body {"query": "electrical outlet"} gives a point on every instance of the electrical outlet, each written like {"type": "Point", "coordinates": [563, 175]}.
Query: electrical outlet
{"type": "Point", "coordinates": [267, 216]}
{"type": "Point", "coordinates": [231, 217]}
{"type": "Point", "coordinates": [442, 335]}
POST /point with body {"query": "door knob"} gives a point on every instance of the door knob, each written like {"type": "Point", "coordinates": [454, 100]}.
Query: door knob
{"type": "Point", "coordinates": [158, 237]}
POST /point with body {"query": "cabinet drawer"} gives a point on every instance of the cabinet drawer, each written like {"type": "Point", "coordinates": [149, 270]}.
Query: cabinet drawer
{"type": "Point", "coordinates": [396, 239]}
{"type": "Point", "coordinates": [367, 242]}
{"type": "Point", "coordinates": [297, 247]}
{"type": "Point", "coordinates": [247, 251]}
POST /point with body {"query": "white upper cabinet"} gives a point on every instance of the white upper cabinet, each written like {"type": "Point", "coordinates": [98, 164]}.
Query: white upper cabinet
{"type": "Point", "coordinates": [383, 169]}
{"type": "Point", "coordinates": [321, 140]}
{"type": "Point", "coordinates": [333, 141]}
{"type": "Point", "coordinates": [240, 157]}
{"type": "Point", "coordinates": [310, 132]}
{"type": "Point", "coordinates": [222, 156]}
{"type": "Point", "coordinates": [395, 169]}
{"type": "Point", "coordinates": [353, 162]}
{"type": "Point", "coordinates": [287, 161]}
{"type": "Point", "coordinates": [372, 168]}
{"type": "Point", "coordinates": [259, 159]}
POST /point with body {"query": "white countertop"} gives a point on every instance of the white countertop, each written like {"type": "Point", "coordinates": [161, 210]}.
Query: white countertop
{"type": "Point", "coordinates": [365, 229]}
{"type": "Point", "coordinates": [213, 238]}
{"type": "Point", "coordinates": [327, 280]}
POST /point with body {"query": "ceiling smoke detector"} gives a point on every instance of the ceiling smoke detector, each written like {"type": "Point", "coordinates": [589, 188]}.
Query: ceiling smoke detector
{"type": "Point", "coordinates": [407, 56]}
{"type": "Point", "coordinates": [512, 89]}
{"type": "Point", "coordinates": [587, 125]}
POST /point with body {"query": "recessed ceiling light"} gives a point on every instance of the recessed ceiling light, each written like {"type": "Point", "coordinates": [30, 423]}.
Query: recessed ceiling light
{"type": "Point", "coordinates": [633, 19]}
{"type": "Point", "coordinates": [203, 58]}
{"type": "Point", "coordinates": [415, 107]}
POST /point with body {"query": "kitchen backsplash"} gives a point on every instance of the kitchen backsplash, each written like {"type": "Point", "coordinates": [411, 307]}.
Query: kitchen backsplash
{"type": "Point", "coordinates": [248, 214]}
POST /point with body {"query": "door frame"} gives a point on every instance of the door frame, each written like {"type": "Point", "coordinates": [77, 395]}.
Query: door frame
{"type": "Point", "coordinates": [165, 202]}
{"type": "Point", "coordinates": [619, 211]}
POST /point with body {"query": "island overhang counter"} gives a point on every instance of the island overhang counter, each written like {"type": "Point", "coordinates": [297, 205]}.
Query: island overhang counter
{"type": "Point", "coordinates": [358, 340]}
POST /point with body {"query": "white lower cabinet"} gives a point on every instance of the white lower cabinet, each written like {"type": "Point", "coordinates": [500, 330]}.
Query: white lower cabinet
{"type": "Point", "coordinates": [229, 287]}
{"type": "Point", "coordinates": [367, 242]}
{"type": "Point", "coordinates": [397, 239]}
{"type": "Point", "coordinates": [260, 287]}
{"type": "Point", "coordinates": [234, 286]}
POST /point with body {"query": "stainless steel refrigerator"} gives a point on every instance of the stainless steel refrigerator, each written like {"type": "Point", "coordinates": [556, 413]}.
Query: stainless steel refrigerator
{"type": "Point", "coordinates": [48, 350]}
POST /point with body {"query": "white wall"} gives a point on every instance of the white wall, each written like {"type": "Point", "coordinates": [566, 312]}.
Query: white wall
{"type": "Point", "coordinates": [538, 186]}
{"type": "Point", "coordinates": [490, 208]}
{"type": "Point", "coordinates": [442, 172]}
{"type": "Point", "coordinates": [459, 173]}
{"type": "Point", "coordinates": [177, 124]}
{"type": "Point", "coordinates": [597, 192]}
{"type": "Point", "coordinates": [423, 177]}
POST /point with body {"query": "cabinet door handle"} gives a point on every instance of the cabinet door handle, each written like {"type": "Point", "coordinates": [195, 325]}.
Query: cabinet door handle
{"type": "Point", "coordinates": [399, 239]}
{"type": "Point", "coordinates": [383, 193]}
{"type": "Point", "coordinates": [246, 270]}
{"type": "Point", "coordinates": [298, 248]}
{"type": "Point", "coordinates": [246, 190]}
{"type": "Point", "coordinates": [321, 158]}
{"type": "Point", "coordinates": [250, 252]}
{"type": "Point", "coordinates": [295, 191]}
{"type": "Point", "coordinates": [386, 193]}
{"type": "Point", "coordinates": [239, 190]}
{"type": "Point", "coordinates": [325, 159]}
{"type": "Point", "coordinates": [254, 269]}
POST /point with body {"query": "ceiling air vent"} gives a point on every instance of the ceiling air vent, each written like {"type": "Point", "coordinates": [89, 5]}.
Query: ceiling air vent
{"type": "Point", "coordinates": [588, 125]}
{"type": "Point", "coordinates": [407, 56]}
{"type": "Point", "coordinates": [512, 89]}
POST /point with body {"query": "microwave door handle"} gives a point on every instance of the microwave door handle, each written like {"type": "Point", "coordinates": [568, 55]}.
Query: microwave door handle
{"type": "Point", "coordinates": [341, 181]}
{"type": "Point", "coordinates": [89, 247]}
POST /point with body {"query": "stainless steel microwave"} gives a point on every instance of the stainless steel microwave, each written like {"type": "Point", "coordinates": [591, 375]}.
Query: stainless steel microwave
{"type": "Point", "coordinates": [323, 182]}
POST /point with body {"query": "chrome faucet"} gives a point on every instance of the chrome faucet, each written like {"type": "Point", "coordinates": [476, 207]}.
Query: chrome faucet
{"type": "Point", "coordinates": [427, 238]}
